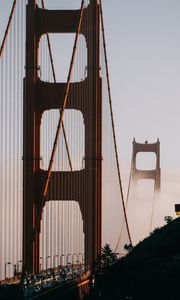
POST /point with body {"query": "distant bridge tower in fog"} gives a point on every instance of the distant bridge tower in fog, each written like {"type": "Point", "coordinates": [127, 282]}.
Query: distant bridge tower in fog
{"type": "Point", "coordinates": [146, 174]}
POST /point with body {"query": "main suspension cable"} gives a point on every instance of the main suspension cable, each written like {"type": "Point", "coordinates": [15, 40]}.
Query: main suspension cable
{"type": "Point", "coordinates": [7, 28]}
{"type": "Point", "coordinates": [153, 208]}
{"type": "Point", "coordinates": [129, 185]}
{"type": "Point", "coordinates": [112, 120]}
{"type": "Point", "coordinates": [126, 205]}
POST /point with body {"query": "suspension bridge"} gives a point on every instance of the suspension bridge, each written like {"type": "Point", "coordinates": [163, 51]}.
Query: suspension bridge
{"type": "Point", "coordinates": [60, 182]}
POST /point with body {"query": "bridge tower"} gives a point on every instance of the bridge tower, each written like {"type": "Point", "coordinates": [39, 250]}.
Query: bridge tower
{"type": "Point", "coordinates": [40, 96]}
{"type": "Point", "coordinates": [146, 174]}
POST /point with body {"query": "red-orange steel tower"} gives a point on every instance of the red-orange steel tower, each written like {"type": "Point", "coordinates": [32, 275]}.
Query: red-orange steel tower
{"type": "Point", "coordinates": [40, 96]}
{"type": "Point", "coordinates": [147, 174]}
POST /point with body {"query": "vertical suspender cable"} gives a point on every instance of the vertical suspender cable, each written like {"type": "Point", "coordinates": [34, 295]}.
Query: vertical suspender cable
{"type": "Point", "coordinates": [10, 120]}
{"type": "Point", "coordinates": [11, 117]}
{"type": "Point", "coordinates": [6, 152]}
{"type": "Point", "coordinates": [15, 167]}
{"type": "Point", "coordinates": [1, 169]}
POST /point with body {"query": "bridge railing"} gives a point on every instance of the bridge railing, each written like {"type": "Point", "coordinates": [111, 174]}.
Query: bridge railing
{"type": "Point", "coordinates": [33, 284]}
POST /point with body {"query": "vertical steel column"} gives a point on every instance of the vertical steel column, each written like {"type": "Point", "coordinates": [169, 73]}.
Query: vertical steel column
{"type": "Point", "coordinates": [93, 139]}
{"type": "Point", "coordinates": [98, 142]}
{"type": "Point", "coordinates": [31, 146]}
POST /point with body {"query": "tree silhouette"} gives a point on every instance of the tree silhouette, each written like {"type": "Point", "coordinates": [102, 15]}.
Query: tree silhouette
{"type": "Point", "coordinates": [168, 219]}
{"type": "Point", "coordinates": [105, 259]}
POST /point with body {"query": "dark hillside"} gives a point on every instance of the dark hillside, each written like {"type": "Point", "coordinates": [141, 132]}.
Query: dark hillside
{"type": "Point", "coordinates": [151, 271]}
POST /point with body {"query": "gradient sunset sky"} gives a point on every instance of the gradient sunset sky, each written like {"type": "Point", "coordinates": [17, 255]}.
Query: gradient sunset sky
{"type": "Point", "coordinates": [143, 43]}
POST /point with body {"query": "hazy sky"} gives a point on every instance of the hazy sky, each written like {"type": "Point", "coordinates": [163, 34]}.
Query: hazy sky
{"type": "Point", "coordinates": [143, 40]}
{"type": "Point", "coordinates": [144, 60]}
{"type": "Point", "coordinates": [143, 43]}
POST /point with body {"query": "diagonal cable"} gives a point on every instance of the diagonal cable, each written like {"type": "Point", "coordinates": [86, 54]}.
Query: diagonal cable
{"type": "Point", "coordinates": [65, 98]}
{"type": "Point", "coordinates": [153, 207]}
{"type": "Point", "coordinates": [126, 206]}
{"type": "Point", "coordinates": [129, 185]}
{"type": "Point", "coordinates": [7, 28]}
{"type": "Point", "coordinates": [112, 120]}
{"type": "Point", "coordinates": [54, 78]}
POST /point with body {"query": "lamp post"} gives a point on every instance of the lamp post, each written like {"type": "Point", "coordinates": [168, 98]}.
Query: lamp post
{"type": "Point", "coordinates": [54, 258]}
{"type": "Point", "coordinates": [40, 263]}
{"type": "Point", "coordinates": [18, 269]}
{"type": "Point", "coordinates": [83, 262]}
{"type": "Point", "coordinates": [68, 258]}
{"type": "Point", "coordinates": [62, 259]}
{"type": "Point", "coordinates": [79, 258]}
{"type": "Point", "coordinates": [47, 257]}
{"type": "Point", "coordinates": [79, 262]}
{"type": "Point", "coordinates": [6, 264]}
{"type": "Point", "coordinates": [74, 255]}
{"type": "Point", "coordinates": [14, 271]}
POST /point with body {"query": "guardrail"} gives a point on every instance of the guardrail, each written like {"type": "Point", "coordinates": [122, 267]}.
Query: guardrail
{"type": "Point", "coordinates": [33, 285]}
